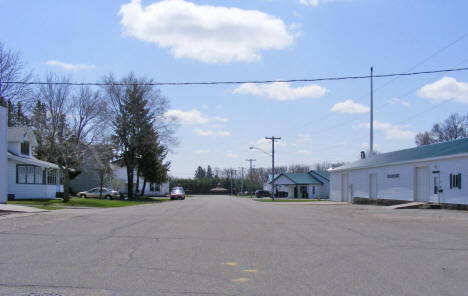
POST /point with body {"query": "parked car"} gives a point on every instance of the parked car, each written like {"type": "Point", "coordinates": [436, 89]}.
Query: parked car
{"type": "Point", "coordinates": [177, 193]}
{"type": "Point", "coordinates": [262, 193]}
{"type": "Point", "coordinates": [95, 193]}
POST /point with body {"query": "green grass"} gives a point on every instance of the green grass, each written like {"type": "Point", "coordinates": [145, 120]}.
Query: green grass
{"type": "Point", "coordinates": [290, 200]}
{"type": "Point", "coordinates": [85, 202]}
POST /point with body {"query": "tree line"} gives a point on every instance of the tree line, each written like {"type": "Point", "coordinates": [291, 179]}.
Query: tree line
{"type": "Point", "coordinates": [126, 115]}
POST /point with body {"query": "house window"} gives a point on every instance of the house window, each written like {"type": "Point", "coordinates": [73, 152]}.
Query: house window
{"type": "Point", "coordinates": [28, 174]}
{"type": "Point", "coordinates": [455, 181]}
{"type": "Point", "coordinates": [25, 148]}
{"type": "Point", "coordinates": [154, 187]}
{"type": "Point", "coordinates": [52, 177]}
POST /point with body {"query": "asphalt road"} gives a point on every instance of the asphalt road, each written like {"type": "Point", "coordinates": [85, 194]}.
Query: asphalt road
{"type": "Point", "coordinates": [235, 246]}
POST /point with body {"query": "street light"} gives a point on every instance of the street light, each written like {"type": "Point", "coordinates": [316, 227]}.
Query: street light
{"type": "Point", "coordinates": [272, 162]}
{"type": "Point", "coordinates": [256, 148]}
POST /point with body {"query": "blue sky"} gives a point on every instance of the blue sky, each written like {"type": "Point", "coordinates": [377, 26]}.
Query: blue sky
{"type": "Point", "coordinates": [176, 40]}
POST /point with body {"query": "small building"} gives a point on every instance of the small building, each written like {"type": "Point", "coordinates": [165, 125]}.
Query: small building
{"type": "Point", "coordinates": [314, 184]}
{"type": "Point", "coordinates": [218, 190]}
{"type": "Point", "coordinates": [431, 173]}
{"type": "Point", "coordinates": [29, 177]}
{"type": "Point", "coordinates": [119, 183]}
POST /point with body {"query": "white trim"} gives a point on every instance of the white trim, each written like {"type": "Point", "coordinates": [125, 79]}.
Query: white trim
{"type": "Point", "coordinates": [337, 170]}
{"type": "Point", "coordinates": [33, 161]}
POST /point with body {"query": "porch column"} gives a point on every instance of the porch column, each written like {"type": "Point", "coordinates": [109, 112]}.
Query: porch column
{"type": "Point", "coordinates": [3, 155]}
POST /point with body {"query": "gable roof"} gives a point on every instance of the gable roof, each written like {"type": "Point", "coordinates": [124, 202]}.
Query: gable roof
{"type": "Point", "coordinates": [301, 178]}
{"type": "Point", "coordinates": [421, 153]}
{"type": "Point", "coordinates": [323, 174]}
{"type": "Point", "coordinates": [20, 134]}
{"type": "Point", "coordinates": [33, 161]}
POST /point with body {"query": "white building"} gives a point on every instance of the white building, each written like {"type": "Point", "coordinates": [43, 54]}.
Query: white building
{"type": "Point", "coordinates": [3, 154]}
{"type": "Point", "coordinates": [432, 173]}
{"type": "Point", "coordinates": [28, 177]}
{"type": "Point", "coordinates": [119, 183]}
{"type": "Point", "coordinates": [313, 184]}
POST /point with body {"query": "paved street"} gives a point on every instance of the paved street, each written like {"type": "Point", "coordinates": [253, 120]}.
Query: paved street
{"type": "Point", "coordinates": [235, 246]}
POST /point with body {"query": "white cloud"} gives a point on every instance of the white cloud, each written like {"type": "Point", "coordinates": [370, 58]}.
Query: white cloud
{"type": "Point", "coordinates": [202, 151]}
{"type": "Point", "coordinates": [394, 101]}
{"type": "Point", "coordinates": [202, 132]}
{"type": "Point", "coordinates": [281, 91]}
{"type": "Point", "coordinates": [187, 117]}
{"type": "Point", "coordinates": [392, 132]}
{"type": "Point", "coordinates": [349, 106]}
{"type": "Point", "coordinates": [445, 89]}
{"type": "Point", "coordinates": [304, 152]}
{"type": "Point", "coordinates": [70, 67]}
{"type": "Point", "coordinates": [211, 34]}
{"type": "Point", "coordinates": [265, 144]}
{"type": "Point", "coordinates": [192, 117]}
{"type": "Point", "coordinates": [313, 2]}
{"type": "Point", "coordinates": [230, 154]}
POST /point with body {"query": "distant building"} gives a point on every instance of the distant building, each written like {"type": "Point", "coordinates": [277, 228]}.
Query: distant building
{"type": "Point", "coordinates": [3, 152]}
{"type": "Point", "coordinates": [314, 184]}
{"type": "Point", "coordinates": [119, 183]}
{"type": "Point", "coordinates": [432, 173]}
{"type": "Point", "coordinates": [29, 177]}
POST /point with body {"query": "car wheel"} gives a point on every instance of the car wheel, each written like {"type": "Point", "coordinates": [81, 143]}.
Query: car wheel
{"type": "Point", "coordinates": [172, 198]}
{"type": "Point", "coordinates": [83, 196]}
{"type": "Point", "coordinates": [183, 198]}
{"type": "Point", "coordinates": [108, 197]}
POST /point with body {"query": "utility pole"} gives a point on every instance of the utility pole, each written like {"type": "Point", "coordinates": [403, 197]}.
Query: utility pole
{"type": "Point", "coordinates": [242, 179]}
{"type": "Point", "coordinates": [371, 145]}
{"type": "Point", "coordinates": [273, 138]}
{"type": "Point", "coordinates": [250, 173]}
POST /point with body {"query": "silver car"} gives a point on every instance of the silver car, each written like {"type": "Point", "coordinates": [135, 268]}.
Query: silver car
{"type": "Point", "coordinates": [177, 193]}
{"type": "Point", "coordinates": [95, 193]}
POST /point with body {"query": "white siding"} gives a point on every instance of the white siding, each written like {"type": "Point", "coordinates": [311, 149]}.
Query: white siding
{"type": "Point", "coordinates": [3, 155]}
{"type": "Point", "coordinates": [402, 187]}
{"type": "Point", "coordinates": [29, 191]}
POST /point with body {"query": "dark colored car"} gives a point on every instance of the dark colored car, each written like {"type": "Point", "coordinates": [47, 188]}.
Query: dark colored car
{"type": "Point", "coordinates": [262, 193]}
{"type": "Point", "coordinates": [177, 193]}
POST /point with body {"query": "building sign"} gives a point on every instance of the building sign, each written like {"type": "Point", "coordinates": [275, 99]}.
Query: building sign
{"type": "Point", "coordinates": [392, 176]}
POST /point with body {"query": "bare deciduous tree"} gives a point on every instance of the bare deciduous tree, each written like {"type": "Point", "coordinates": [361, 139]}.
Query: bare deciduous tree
{"type": "Point", "coordinates": [454, 127]}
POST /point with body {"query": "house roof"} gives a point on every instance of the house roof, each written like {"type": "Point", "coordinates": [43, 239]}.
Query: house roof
{"type": "Point", "coordinates": [324, 174]}
{"type": "Point", "coordinates": [270, 179]}
{"type": "Point", "coordinates": [301, 178]}
{"type": "Point", "coordinates": [32, 161]}
{"type": "Point", "coordinates": [454, 147]}
{"type": "Point", "coordinates": [20, 134]}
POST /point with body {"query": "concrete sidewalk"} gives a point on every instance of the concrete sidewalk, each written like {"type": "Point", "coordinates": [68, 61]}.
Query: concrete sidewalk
{"type": "Point", "coordinates": [20, 209]}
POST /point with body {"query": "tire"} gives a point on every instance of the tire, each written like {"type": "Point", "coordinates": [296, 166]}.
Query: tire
{"type": "Point", "coordinates": [172, 198]}
{"type": "Point", "coordinates": [108, 197]}
{"type": "Point", "coordinates": [83, 196]}
{"type": "Point", "coordinates": [183, 198]}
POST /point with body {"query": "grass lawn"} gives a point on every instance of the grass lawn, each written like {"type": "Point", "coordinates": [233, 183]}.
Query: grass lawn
{"type": "Point", "coordinates": [289, 200]}
{"type": "Point", "coordinates": [85, 202]}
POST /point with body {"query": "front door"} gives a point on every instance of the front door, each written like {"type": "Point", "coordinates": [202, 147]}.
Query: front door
{"type": "Point", "coordinates": [344, 187]}
{"type": "Point", "coordinates": [437, 188]}
{"type": "Point", "coordinates": [422, 184]}
{"type": "Point", "coordinates": [295, 192]}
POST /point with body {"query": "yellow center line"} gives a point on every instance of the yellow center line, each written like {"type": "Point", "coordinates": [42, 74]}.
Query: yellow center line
{"type": "Point", "coordinates": [250, 270]}
{"type": "Point", "coordinates": [240, 280]}
{"type": "Point", "coordinates": [230, 263]}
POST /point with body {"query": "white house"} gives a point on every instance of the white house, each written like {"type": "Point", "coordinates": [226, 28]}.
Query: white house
{"type": "Point", "coordinates": [119, 183]}
{"type": "Point", "coordinates": [29, 177]}
{"type": "Point", "coordinates": [3, 153]}
{"type": "Point", "coordinates": [313, 184]}
{"type": "Point", "coordinates": [433, 173]}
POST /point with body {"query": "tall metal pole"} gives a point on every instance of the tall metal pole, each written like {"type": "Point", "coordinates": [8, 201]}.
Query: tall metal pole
{"type": "Point", "coordinates": [250, 176]}
{"type": "Point", "coordinates": [371, 145]}
{"type": "Point", "coordinates": [242, 180]}
{"type": "Point", "coordinates": [273, 138]}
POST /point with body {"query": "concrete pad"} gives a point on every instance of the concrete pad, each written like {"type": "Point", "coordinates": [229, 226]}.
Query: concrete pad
{"type": "Point", "coordinates": [411, 205]}
{"type": "Point", "coordinates": [20, 209]}
{"type": "Point", "coordinates": [310, 203]}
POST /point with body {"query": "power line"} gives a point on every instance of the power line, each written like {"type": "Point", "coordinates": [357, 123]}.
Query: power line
{"type": "Point", "coordinates": [238, 82]}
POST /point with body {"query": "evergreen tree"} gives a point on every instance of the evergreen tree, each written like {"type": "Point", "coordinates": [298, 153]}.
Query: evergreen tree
{"type": "Point", "coordinates": [209, 172]}
{"type": "Point", "coordinates": [200, 173]}
{"type": "Point", "coordinates": [40, 125]}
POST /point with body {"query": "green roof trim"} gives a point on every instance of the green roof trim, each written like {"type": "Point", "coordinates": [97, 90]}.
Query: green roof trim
{"type": "Point", "coordinates": [449, 148]}
{"type": "Point", "coordinates": [301, 178]}
{"type": "Point", "coordinates": [323, 174]}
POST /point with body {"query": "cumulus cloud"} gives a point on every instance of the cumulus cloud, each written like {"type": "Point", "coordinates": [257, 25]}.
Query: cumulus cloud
{"type": "Point", "coordinates": [392, 132]}
{"type": "Point", "coordinates": [192, 117]}
{"type": "Point", "coordinates": [204, 133]}
{"type": "Point", "coordinates": [211, 34]}
{"type": "Point", "coordinates": [397, 101]}
{"type": "Point", "coordinates": [349, 106]}
{"type": "Point", "coordinates": [445, 89]}
{"type": "Point", "coordinates": [281, 91]}
{"type": "Point", "coordinates": [187, 117]}
{"type": "Point", "coordinates": [69, 66]}
{"type": "Point", "coordinates": [313, 2]}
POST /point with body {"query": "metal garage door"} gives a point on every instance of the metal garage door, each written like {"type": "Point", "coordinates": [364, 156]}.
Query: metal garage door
{"type": "Point", "coordinates": [344, 187]}
{"type": "Point", "coordinates": [373, 185]}
{"type": "Point", "coordinates": [422, 184]}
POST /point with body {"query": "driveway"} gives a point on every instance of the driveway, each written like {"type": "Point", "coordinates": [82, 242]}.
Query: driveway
{"type": "Point", "coordinates": [219, 245]}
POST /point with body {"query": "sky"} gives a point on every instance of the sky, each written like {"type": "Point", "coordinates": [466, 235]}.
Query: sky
{"type": "Point", "coordinates": [233, 40]}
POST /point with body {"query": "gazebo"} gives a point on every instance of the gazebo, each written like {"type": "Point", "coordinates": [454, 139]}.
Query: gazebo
{"type": "Point", "coordinates": [219, 190]}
